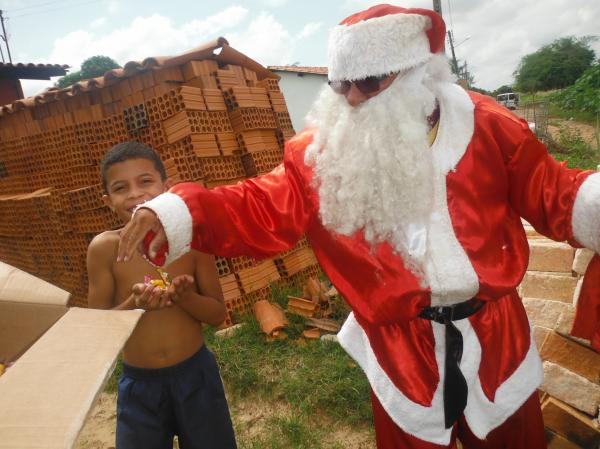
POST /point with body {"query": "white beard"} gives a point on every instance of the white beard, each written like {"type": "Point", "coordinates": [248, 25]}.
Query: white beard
{"type": "Point", "coordinates": [373, 165]}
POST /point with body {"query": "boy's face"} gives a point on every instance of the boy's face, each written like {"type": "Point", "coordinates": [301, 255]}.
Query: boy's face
{"type": "Point", "coordinates": [130, 183]}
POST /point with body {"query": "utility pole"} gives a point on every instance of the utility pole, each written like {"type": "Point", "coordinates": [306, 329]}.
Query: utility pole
{"type": "Point", "coordinates": [4, 38]}
{"type": "Point", "coordinates": [437, 7]}
{"type": "Point", "coordinates": [454, 62]}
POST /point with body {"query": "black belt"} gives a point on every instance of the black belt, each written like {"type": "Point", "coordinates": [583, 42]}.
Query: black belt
{"type": "Point", "coordinates": [455, 385]}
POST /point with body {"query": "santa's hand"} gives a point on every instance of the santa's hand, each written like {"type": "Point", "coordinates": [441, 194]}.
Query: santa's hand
{"type": "Point", "coordinates": [132, 235]}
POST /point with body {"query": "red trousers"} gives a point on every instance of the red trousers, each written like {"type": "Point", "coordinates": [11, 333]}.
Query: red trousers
{"type": "Point", "coordinates": [523, 430]}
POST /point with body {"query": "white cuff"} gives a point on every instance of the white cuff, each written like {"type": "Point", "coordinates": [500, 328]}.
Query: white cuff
{"type": "Point", "coordinates": [586, 213]}
{"type": "Point", "coordinates": [176, 220]}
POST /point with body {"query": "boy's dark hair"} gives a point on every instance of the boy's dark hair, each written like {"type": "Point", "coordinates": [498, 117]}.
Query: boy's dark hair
{"type": "Point", "coordinates": [124, 151]}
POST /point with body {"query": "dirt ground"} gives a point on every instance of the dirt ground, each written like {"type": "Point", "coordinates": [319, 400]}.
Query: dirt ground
{"type": "Point", "coordinates": [249, 417]}
{"type": "Point", "coordinates": [587, 132]}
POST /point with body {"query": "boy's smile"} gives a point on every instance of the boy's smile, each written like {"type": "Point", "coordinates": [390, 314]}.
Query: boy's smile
{"type": "Point", "coordinates": [130, 183]}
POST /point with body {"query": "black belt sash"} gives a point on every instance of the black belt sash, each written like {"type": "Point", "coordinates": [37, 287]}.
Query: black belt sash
{"type": "Point", "coordinates": [455, 385]}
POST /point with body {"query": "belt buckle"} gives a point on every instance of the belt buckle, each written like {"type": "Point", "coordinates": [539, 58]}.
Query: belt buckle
{"type": "Point", "coordinates": [438, 314]}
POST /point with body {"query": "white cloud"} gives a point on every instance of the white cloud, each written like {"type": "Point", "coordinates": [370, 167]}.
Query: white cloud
{"type": "Point", "coordinates": [274, 3]}
{"type": "Point", "coordinates": [352, 6]}
{"type": "Point", "coordinates": [155, 35]}
{"type": "Point", "coordinates": [113, 6]}
{"type": "Point", "coordinates": [309, 29]}
{"type": "Point", "coordinates": [97, 23]}
{"type": "Point", "coordinates": [228, 18]}
{"type": "Point", "coordinates": [146, 36]}
{"type": "Point", "coordinates": [502, 33]}
{"type": "Point", "coordinates": [265, 40]}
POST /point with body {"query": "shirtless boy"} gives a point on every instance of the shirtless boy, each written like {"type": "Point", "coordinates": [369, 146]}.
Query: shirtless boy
{"type": "Point", "coordinates": [170, 383]}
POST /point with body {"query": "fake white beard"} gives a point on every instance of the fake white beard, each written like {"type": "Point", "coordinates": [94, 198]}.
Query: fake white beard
{"type": "Point", "coordinates": [373, 164]}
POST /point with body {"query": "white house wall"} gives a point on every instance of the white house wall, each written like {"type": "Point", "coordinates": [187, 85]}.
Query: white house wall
{"type": "Point", "coordinates": [300, 91]}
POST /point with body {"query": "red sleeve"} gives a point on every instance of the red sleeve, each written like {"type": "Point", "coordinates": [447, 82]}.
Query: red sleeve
{"type": "Point", "coordinates": [587, 316]}
{"type": "Point", "coordinates": [542, 190]}
{"type": "Point", "coordinates": [259, 217]}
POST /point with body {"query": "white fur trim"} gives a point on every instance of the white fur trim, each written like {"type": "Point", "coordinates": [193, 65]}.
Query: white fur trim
{"type": "Point", "coordinates": [427, 423]}
{"type": "Point", "coordinates": [448, 270]}
{"type": "Point", "coordinates": [483, 416]}
{"type": "Point", "coordinates": [176, 220]}
{"type": "Point", "coordinates": [586, 213]}
{"type": "Point", "coordinates": [378, 46]}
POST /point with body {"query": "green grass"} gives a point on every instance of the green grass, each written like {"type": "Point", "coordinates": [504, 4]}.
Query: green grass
{"type": "Point", "coordinates": [580, 154]}
{"type": "Point", "coordinates": [286, 432]}
{"type": "Point", "coordinates": [586, 117]}
{"type": "Point", "coordinates": [113, 381]}
{"type": "Point", "coordinates": [538, 96]}
{"type": "Point", "coordinates": [312, 376]}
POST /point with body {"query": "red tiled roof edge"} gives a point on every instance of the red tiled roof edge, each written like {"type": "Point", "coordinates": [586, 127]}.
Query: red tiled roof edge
{"type": "Point", "coordinates": [217, 49]}
{"type": "Point", "coordinates": [32, 65]}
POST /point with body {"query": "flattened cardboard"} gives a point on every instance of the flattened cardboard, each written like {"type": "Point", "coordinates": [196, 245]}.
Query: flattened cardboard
{"type": "Point", "coordinates": [46, 395]}
{"type": "Point", "coordinates": [28, 307]}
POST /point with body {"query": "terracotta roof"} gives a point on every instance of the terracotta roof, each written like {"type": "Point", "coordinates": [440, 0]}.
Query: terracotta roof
{"type": "Point", "coordinates": [32, 71]}
{"type": "Point", "coordinates": [218, 50]}
{"type": "Point", "coordinates": [298, 69]}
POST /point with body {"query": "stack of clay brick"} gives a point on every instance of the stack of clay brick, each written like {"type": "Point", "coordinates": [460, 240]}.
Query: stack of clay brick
{"type": "Point", "coordinates": [571, 389]}
{"type": "Point", "coordinates": [245, 281]}
{"type": "Point", "coordinates": [215, 117]}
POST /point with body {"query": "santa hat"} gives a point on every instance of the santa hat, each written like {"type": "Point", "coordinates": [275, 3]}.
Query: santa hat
{"type": "Point", "coordinates": [384, 39]}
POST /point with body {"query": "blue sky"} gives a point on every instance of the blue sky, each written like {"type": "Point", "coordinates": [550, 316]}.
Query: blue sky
{"type": "Point", "coordinates": [492, 35]}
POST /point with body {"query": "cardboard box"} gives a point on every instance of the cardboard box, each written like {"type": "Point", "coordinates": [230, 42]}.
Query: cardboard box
{"type": "Point", "coordinates": [63, 358]}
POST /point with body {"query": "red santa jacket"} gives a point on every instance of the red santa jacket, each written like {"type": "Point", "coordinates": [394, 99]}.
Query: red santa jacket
{"type": "Point", "coordinates": [490, 171]}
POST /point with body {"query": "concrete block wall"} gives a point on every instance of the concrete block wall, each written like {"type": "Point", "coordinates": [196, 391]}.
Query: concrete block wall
{"type": "Point", "coordinates": [570, 393]}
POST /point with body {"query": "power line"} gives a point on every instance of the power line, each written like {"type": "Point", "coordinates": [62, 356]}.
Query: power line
{"type": "Point", "coordinates": [36, 5]}
{"type": "Point", "coordinates": [56, 9]}
{"type": "Point", "coordinates": [450, 14]}
{"type": "Point", "coordinates": [5, 38]}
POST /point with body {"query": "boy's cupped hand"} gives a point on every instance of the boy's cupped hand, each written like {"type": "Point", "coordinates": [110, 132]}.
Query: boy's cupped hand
{"type": "Point", "coordinates": [149, 297]}
{"type": "Point", "coordinates": [180, 287]}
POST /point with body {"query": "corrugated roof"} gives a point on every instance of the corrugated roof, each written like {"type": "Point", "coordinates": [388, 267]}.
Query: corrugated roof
{"type": "Point", "coordinates": [299, 69]}
{"type": "Point", "coordinates": [32, 71]}
{"type": "Point", "coordinates": [218, 50]}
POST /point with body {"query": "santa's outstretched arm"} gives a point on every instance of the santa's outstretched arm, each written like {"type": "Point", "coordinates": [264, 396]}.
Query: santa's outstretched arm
{"type": "Point", "coordinates": [258, 217]}
{"type": "Point", "coordinates": [563, 204]}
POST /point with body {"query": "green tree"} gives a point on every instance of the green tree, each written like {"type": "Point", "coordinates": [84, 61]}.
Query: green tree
{"type": "Point", "coordinates": [68, 79]}
{"type": "Point", "coordinates": [90, 68]}
{"type": "Point", "coordinates": [505, 89]}
{"type": "Point", "coordinates": [480, 90]}
{"type": "Point", "coordinates": [556, 65]}
{"type": "Point", "coordinates": [583, 98]}
{"type": "Point", "coordinates": [97, 66]}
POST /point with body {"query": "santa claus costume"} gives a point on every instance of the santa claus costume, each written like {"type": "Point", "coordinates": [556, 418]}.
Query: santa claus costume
{"type": "Point", "coordinates": [424, 240]}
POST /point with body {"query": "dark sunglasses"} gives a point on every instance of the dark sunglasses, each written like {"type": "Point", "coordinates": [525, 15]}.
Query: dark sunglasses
{"type": "Point", "coordinates": [366, 85]}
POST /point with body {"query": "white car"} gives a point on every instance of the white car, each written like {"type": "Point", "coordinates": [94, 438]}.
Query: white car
{"type": "Point", "coordinates": [509, 100]}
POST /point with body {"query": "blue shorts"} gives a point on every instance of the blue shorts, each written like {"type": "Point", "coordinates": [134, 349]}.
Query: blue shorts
{"type": "Point", "coordinates": [186, 400]}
